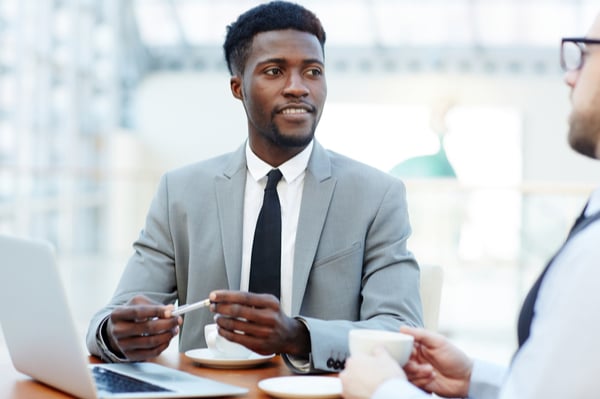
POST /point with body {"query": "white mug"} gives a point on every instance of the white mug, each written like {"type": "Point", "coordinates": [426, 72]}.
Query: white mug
{"type": "Point", "coordinates": [222, 347]}
{"type": "Point", "coordinates": [397, 344]}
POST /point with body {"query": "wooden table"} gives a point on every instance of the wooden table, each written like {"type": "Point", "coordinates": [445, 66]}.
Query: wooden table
{"type": "Point", "coordinates": [14, 385]}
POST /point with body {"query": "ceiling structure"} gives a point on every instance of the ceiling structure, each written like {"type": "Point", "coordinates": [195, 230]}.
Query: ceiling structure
{"type": "Point", "coordinates": [514, 36]}
{"type": "Point", "coordinates": [69, 70]}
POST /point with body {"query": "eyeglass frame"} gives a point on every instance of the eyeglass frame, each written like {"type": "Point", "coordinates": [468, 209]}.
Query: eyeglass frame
{"type": "Point", "coordinates": [578, 41]}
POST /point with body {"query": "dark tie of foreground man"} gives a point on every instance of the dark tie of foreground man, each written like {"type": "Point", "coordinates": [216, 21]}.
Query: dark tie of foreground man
{"type": "Point", "coordinates": [266, 251]}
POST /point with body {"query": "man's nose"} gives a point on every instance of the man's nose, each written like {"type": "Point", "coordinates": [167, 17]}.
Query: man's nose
{"type": "Point", "coordinates": [296, 86]}
{"type": "Point", "coordinates": [571, 77]}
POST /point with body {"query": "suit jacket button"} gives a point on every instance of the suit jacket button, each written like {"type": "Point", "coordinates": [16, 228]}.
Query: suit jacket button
{"type": "Point", "coordinates": [337, 365]}
{"type": "Point", "coordinates": [330, 363]}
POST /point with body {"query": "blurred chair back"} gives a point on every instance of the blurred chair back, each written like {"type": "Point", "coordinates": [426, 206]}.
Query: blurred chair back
{"type": "Point", "coordinates": [432, 277]}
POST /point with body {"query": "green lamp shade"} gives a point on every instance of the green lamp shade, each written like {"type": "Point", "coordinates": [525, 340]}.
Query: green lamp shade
{"type": "Point", "coordinates": [434, 165]}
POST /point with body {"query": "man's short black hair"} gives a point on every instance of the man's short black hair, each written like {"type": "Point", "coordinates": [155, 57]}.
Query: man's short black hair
{"type": "Point", "coordinates": [276, 15]}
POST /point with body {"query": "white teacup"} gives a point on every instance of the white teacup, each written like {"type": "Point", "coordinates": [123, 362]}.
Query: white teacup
{"type": "Point", "coordinates": [397, 344]}
{"type": "Point", "coordinates": [222, 347]}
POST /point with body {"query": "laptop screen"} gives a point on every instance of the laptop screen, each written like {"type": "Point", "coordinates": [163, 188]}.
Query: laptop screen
{"type": "Point", "coordinates": [43, 341]}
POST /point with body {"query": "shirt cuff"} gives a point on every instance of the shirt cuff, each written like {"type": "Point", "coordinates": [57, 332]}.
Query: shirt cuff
{"type": "Point", "coordinates": [105, 353]}
{"type": "Point", "coordinates": [299, 364]}
{"type": "Point", "coordinates": [486, 379]}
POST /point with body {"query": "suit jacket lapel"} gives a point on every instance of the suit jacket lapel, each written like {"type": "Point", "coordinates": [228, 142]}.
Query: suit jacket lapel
{"type": "Point", "coordinates": [230, 189]}
{"type": "Point", "coordinates": [316, 197]}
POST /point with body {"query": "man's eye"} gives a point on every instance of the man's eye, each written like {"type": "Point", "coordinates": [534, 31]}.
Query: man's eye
{"type": "Point", "coordinates": [315, 72]}
{"type": "Point", "coordinates": [273, 71]}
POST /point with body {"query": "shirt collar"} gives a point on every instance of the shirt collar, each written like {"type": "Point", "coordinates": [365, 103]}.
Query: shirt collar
{"type": "Point", "coordinates": [291, 169]}
{"type": "Point", "coordinates": [593, 205]}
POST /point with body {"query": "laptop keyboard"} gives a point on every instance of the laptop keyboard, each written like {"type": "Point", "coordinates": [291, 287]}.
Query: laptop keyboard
{"type": "Point", "coordinates": [109, 381]}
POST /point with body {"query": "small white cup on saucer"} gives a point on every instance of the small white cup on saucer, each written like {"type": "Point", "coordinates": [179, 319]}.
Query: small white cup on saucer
{"type": "Point", "coordinates": [397, 344]}
{"type": "Point", "coordinates": [222, 347]}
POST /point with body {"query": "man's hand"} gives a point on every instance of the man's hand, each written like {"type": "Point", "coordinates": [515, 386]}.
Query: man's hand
{"type": "Point", "coordinates": [436, 365]}
{"type": "Point", "coordinates": [141, 329]}
{"type": "Point", "coordinates": [257, 322]}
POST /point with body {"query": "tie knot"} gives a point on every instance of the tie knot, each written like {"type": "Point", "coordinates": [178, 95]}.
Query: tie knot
{"type": "Point", "coordinates": [273, 178]}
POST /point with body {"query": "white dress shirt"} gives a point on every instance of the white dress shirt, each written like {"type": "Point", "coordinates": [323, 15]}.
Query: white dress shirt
{"type": "Point", "coordinates": [289, 190]}
{"type": "Point", "coordinates": [560, 359]}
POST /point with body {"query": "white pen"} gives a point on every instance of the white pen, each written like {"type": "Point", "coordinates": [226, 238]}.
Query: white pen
{"type": "Point", "coordinates": [191, 306]}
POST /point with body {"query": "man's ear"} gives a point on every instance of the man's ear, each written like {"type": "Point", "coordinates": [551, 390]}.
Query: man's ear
{"type": "Point", "coordinates": [235, 83]}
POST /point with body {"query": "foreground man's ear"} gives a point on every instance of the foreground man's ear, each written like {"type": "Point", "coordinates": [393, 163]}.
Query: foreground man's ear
{"type": "Point", "coordinates": [235, 83]}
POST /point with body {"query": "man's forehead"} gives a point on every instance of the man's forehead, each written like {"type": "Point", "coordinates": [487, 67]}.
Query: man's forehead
{"type": "Point", "coordinates": [285, 44]}
{"type": "Point", "coordinates": [284, 37]}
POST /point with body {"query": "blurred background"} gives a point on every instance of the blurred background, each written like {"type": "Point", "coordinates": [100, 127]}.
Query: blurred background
{"type": "Point", "coordinates": [462, 99]}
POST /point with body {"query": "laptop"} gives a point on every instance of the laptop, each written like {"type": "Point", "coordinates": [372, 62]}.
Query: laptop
{"type": "Point", "coordinates": [43, 342]}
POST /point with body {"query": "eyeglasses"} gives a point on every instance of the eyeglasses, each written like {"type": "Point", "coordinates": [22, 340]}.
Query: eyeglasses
{"type": "Point", "coordinates": [573, 51]}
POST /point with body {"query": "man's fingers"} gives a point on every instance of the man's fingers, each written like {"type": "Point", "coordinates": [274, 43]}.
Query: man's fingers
{"type": "Point", "coordinates": [124, 329]}
{"type": "Point", "coordinates": [423, 383]}
{"type": "Point", "coordinates": [244, 298]}
{"type": "Point", "coordinates": [146, 342]}
{"type": "Point", "coordinates": [245, 327]}
{"type": "Point", "coordinates": [416, 370]}
{"type": "Point", "coordinates": [141, 308]}
{"type": "Point", "coordinates": [262, 309]}
{"type": "Point", "coordinates": [259, 345]}
{"type": "Point", "coordinates": [146, 353]}
{"type": "Point", "coordinates": [237, 317]}
{"type": "Point", "coordinates": [138, 313]}
{"type": "Point", "coordinates": [145, 347]}
{"type": "Point", "coordinates": [422, 336]}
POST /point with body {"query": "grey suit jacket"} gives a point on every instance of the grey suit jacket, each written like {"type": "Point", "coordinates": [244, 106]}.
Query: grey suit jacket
{"type": "Point", "coordinates": [351, 267]}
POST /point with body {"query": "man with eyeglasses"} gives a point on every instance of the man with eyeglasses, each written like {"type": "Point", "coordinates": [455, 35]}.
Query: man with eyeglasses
{"type": "Point", "coordinates": [559, 323]}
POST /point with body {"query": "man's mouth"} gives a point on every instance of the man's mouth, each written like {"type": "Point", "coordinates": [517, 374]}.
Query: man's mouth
{"type": "Point", "coordinates": [299, 108]}
{"type": "Point", "coordinates": [290, 111]}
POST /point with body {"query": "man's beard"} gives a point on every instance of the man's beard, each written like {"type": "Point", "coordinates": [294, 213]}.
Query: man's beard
{"type": "Point", "coordinates": [291, 141]}
{"type": "Point", "coordinates": [584, 133]}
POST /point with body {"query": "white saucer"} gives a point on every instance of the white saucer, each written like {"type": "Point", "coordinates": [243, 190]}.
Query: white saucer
{"type": "Point", "coordinates": [302, 387]}
{"type": "Point", "coordinates": [206, 357]}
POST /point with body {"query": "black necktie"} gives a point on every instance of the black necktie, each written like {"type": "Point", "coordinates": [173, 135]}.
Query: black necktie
{"type": "Point", "coordinates": [527, 310]}
{"type": "Point", "coordinates": [265, 264]}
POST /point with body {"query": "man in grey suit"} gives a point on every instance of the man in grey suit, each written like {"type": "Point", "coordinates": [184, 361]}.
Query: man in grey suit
{"type": "Point", "coordinates": [344, 225]}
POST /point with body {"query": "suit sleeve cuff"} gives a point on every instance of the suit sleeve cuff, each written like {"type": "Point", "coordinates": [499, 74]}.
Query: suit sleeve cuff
{"type": "Point", "coordinates": [299, 364]}
{"type": "Point", "coordinates": [105, 353]}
